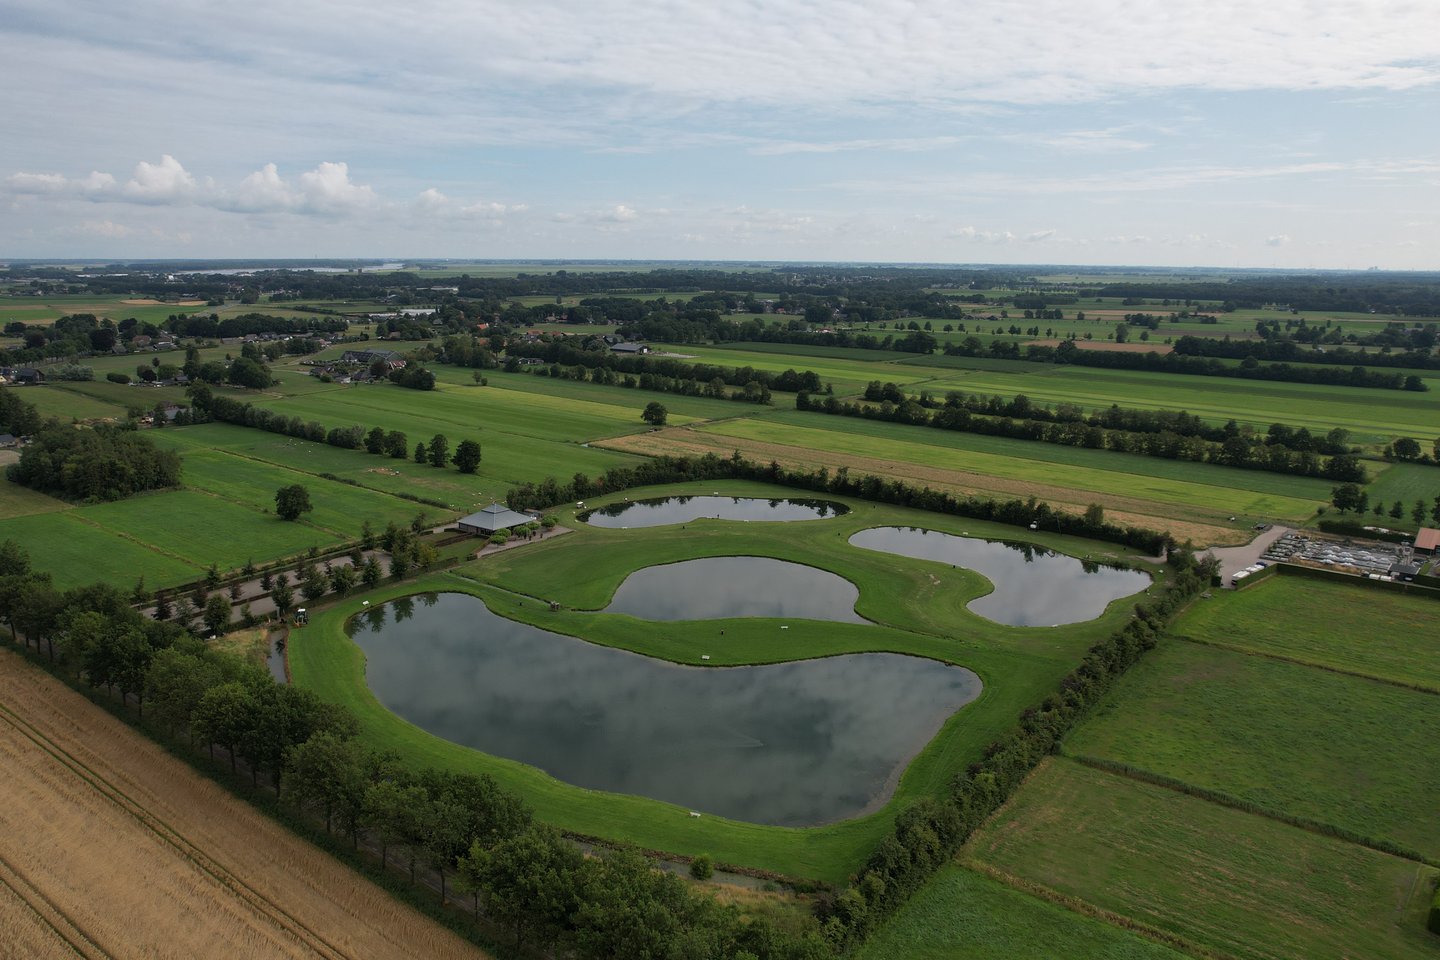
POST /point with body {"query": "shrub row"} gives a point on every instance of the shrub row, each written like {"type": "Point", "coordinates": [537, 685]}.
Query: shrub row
{"type": "Point", "coordinates": [789, 381]}
{"type": "Point", "coordinates": [752, 392]}
{"type": "Point", "coordinates": [1023, 513]}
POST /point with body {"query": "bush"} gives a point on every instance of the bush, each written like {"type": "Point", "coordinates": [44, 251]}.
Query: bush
{"type": "Point", "coordinates": [702, 867]}
{"type": "Point", "coordinates": [115, 377]}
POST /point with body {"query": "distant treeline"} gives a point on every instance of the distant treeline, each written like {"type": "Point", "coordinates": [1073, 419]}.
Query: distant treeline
{"type": "Point", "coordinates": [752, 392]}
{"type": "Point", "coordinates": [1068, 353]}
{"type": "Point", "coordinates": [106, 463]}
{"type": "Point", "coordinates": [972, 415]}
{"type": "Point", "coordinates": [1292, 352]}
{"type": "Point", "coordinates": [1021, 513]}
{"type": "Point", "coordinates": [536, 886]}
{"type": "Point", "coordinates": [249, 324]}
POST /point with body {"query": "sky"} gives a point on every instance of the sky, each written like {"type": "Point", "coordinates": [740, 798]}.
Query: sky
{"type": "Point", "coordinates": [1284, 133]}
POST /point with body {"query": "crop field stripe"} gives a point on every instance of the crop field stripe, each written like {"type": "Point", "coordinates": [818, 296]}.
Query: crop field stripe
{"type": "Point", "coordinates": [96, 525]}
{"type": "Point", "coordinates": [171, 837]}
{"type": "Point", "coordinates": [50, 914]}
{"type": "Point", "coordinates": [1302, 662]}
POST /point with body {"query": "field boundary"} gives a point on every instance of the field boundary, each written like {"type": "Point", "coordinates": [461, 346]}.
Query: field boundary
{"type": "Point", "coordinates": [50, 914]}
{"type": "Point", "coordinates": [1301, 662]}
{"type": "Point", "coordinates": [1230, 801]}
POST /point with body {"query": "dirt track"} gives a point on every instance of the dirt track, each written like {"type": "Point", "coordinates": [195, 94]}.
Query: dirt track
{"type": "Point", "coordinates": [109, 847]}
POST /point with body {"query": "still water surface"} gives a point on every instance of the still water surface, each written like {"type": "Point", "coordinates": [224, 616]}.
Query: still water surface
{"type": "Point", "coordinates": [1033, 587]}
{"type": "Point", "coordinates": [716, 587]}
{"type": "Point", "coordinates": [794, 744]}
{"type": "Point", "coordinates": [656, 513]}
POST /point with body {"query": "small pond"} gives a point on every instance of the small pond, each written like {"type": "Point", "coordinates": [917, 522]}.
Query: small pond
{"type": "Point", "coordinates": [716, 587]}
{"type": "Point", "coordinates": [657, 513]}
{"type": "Point", "coordinates": [794, 744]}
{"type": "Point", "coordinates": [1033, 586]}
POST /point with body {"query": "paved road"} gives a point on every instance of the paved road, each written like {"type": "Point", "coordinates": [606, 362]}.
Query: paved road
{"type": "Point", "coordinates": [1234, 559]}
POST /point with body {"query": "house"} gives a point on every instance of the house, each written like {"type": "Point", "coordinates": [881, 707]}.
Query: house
{"type": "Point", "coordinates": [28, 375]}
{"type": "Point", "coordinates": [633, 348]}
{"type": "Point", "coordinates": [492, 518]}
{"type": "Point", "coordinates": [366, 358]}
{"type": "Point", "coordinates": [8, 440]}
{"type": "Point", "coordinates": [1405, 571]}
{"type": "Point", "coordinates": [1427, 541]}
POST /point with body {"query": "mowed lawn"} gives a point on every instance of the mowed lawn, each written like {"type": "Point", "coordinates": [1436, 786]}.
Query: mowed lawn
{"type": "Point", "coordinates": [1218, 878]}
{"type": "Point", "coordinates": [18, 501]}
{"type": "Point", "coordinates": [75, 553]}
{"type": "Point", "coordinates": [964, 915]}
{"type": "Point", "coordinates": [1210, 499]}
{"type": "Point", "coordinates": [626, 403]}
{"type": "Point", "coordinates": [1348, 627]}
{"type": "Point", "coordinates": [1355, 753]}
{"type": "Point", "coordinates": [1406, 482]}
{"type": "Point", "coordinates": [1367, 412]}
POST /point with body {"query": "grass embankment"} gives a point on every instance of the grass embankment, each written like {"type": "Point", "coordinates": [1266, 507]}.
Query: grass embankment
{"type": "Point", "coordinates": [923, 602]}
{"type": "Point", "coordinates": [1217, 878]}
{"type": "Point", "coordinates": [962, 913]}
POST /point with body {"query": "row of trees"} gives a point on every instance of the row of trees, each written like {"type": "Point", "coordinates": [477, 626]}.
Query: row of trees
{"type": "Point", "coordinates": [1348, 497]}
{"type": "Point", "coordinates": [392, 443]}
{"type": "Point", "coordinates": [1235, 451]}
{"type": "Point", "coordinates": [1292, 352]}
{"type": "Point", "coordinates": [16, 416]}
{"type": "Point", "coordinates": [752, 392]}
{"type": "Point", "coordinates": [927, 835]}
{"type": "Point", "coordinates": [106, 463]}
{"type": "Point", "coordinates": [525, 877]}
{"type": "Point", "coordinates": [1023, 513]}
{"type": "Point", "coordinates": [558, 352]}
{"type": "Point", "coordinates": [1177, 363]}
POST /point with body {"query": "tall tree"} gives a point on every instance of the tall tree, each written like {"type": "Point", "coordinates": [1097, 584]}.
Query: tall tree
{"type": "Point", "coordinates": [291, 501]}
{"type": "Point", "coordinates": [467, 456]}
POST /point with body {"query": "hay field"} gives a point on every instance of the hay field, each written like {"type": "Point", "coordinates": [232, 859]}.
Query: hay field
{"type": "Point", "coordinates": [109, 847]}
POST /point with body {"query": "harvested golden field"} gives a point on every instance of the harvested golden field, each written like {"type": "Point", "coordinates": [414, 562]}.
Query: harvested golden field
{"type": "Point", "coordinates": [681, 441]}
{"type": "Point", "coordinates": [110, 847]}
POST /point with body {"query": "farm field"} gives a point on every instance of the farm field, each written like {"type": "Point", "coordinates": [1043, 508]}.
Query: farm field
{"type": "Point", "coordinates": [922, 601]}
{"type": "Point", "coordinates": [1394, 637]}
{"type": "Point", "coordinates": [1406, 482]}
{"type": "Point", "coordinates": [625, 403]}
{"type": "Point", "coordinates": [1291, 739]}
{"type": "Point", "coordinates": [1216, 878]}
{"type": "Point", "coordinates": [961, 913]}
{"type": "Point", "coordinates": [1370, 414]}
{"type": "Point", "coordinates": [109, 846]}
{"type": "Point", "coordinates": [848, 376]}
{"type": "Point", "coordinates": [77, 552]}
{"type": "Point", "coordinates": [914, 445]}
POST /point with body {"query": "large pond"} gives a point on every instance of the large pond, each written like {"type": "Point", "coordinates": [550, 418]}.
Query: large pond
{"type": "Point", "coordinates": [658, 513]}
{"type": "Point", "coordinates": [794, 744]}
{"type": "Point", "coordinates": [1033, 586]}
{"type": "Point", "coordinates": [716, 587]}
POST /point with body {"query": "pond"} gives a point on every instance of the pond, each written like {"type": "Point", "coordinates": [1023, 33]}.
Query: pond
{"type": "Point", "coordinates": [1033, 586]}
{"type": "Point", "coordinates": [793, 744]}
{"type": "Point", "coordinates": [716, 587]}
{"type": "Point", "coordinates": [657, 513]}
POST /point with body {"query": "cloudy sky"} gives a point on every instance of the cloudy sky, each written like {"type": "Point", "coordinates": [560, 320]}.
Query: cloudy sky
{"type": "Point", "coordinates": [1215, 132]}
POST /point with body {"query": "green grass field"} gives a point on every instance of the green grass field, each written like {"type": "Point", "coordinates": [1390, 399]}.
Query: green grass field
{"type": "Point", "coordinates": [580, 569]}
{"type": "Point", "coordinates": [1389, 636]}
{"type": "Point", "coordinates": [1292, 739]}
{"type": "Point", "coordinates": [1407, 482]}
{"type": "Point", "coordinates": [964, 915]}
{"type": "Point", "coordinates": [75, 552]}
{"type": "Point", "coordinates": [18, 501]}
{"type": "Point", "coordinates": [917, 448]}
{"type": "Point", "coordinates": [1218, 878]}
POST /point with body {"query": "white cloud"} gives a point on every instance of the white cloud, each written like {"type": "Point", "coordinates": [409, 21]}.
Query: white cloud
{"type": "Point", "coordinates": [107, 229]}
{"type": "Point", "coordinates": [1278, 240]}
{"type": "Point", "coordinates": [262, 191]}
{"type": "Point", "coordinates": [327, 189]}
{"type": "Point", "coordinates": [163, 182]}
{"type": "Point", "coordinates": [1039, 235]}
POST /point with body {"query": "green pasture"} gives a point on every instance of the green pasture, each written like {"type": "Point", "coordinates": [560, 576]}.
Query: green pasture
{"type": "Point", "coordinates": [626, 402]}
{"type": "Point", "coordinates": [1352, 628]}
{"type": "Point", "coordinates": [18, 501]}
{"type": "Point", "coordinates": [1406, 482]}
{"type": "Point", "coordinates": [199, 529]}
{"type": "Point", "coordinates": [57, 400]}
{"type": "Point", "coordinates": [1370, 414]}
{"type": "Point", "coordinates": [1131, 464]}
{"type": "Point", "coordinates": [76, 552]}
{"type": "Point", "coordinates": [580, 570]}
{"type": "Point", "coordinates": [919, 447]}
{"type": "Point", "coordinates": [964, 915]}
{"type": "Point", "coordinates": [1289, 738]}
{"type": "Point", "coordinates": [847, 376]}
{"type": "Point", "coordinates": [1229, 882]}
{"type": "Point", "coordinates": [522, 436]}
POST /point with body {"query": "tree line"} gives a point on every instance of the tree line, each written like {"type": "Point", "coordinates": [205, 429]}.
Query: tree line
{"type": "Point", "coordinates": [1289, 350]}
{"type": "Point", "coordinates": [752, 392]}
{"type": "Point", "coordinates": [18, 417]}
{"type": "Point", "coordinates": [558, 352]}
{"type": "Point", "coordinates": [954, 414]}
{"type": "Point", "coordinates": [205, 405]}
{"type": "Point", "coordinates": [525, 877]}
{"type": "Point", "coordinates": [1177, 363]}
{"type": "Point", "coordinates": [104, 463]}
{"type": "Point", "coordinates": [665, 469]}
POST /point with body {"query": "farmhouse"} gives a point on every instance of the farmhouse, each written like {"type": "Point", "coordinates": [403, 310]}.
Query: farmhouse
{"type": "Point", "coordinates": [1427, 541]}
{"type": "Point", "coordinates": [630, 347]}
{"type": "Point", "coordinates": [493, 518]}
{"type": "Point", "coordinates": [390, 358]}
{"type": "Point", "coordinates": [8, 440]}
